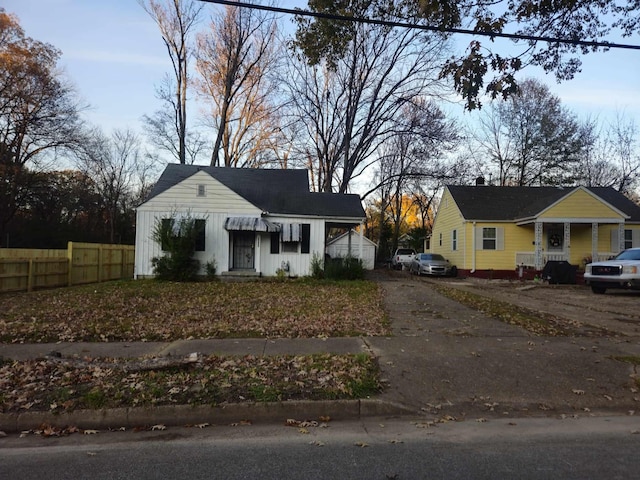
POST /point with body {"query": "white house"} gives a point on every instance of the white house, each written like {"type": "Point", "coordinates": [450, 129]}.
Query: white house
{"type": "Point", "coordinates": [353, 244]}
{"type": "Point", "coordinates": [255, 221]}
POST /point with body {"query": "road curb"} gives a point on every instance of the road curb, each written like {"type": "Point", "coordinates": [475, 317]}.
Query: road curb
{"type": "Point", "coordinates": [180, 415]}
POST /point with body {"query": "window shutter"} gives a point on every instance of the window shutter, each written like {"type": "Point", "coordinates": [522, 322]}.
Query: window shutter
{"type": "Point", "coordinates": [306, 238]}
{"type": "Point", "coordinates": [275, 242]}
{"type": "Point", "coordinates": [615, 244]}
{"type": "Point", "coordinates": [479, 238]}
{"type": "Point", "coordinates": [635, 238]}
{"type": "Point", "coordinates": [500, 238]}
{"type": "Point", "coordinates": [200, 226]}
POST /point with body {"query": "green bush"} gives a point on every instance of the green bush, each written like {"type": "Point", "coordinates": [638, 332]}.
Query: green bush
{"type": "Point", "coordinates": [178, 240]}
{"type": "Point", "coordinates": [347, 268]}
{"type": "Point", "coordinates": [316, 266]}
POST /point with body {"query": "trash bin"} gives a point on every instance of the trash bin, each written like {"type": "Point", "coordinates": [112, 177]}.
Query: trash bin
{"type": "Point", "coordinates": [560, 272]}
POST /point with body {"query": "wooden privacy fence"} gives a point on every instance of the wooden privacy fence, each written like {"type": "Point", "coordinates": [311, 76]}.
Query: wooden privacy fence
{"type": "Point", "coordinates": [24, 269]}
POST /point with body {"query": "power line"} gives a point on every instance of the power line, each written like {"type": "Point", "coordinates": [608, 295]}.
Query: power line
{"type": "Point", "coordinates": [388, 23]}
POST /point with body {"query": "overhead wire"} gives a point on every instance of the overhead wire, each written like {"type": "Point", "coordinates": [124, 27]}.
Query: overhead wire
{"type": "Point", "coordinates": [391, 23]}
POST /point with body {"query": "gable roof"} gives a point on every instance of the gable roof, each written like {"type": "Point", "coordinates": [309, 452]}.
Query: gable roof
{"type": "Point", "coordinates": [277, 191]}
{"type": "Point", "coordinates": [484, 202]}
{"type": "Point", "coordinates": [355, 237]}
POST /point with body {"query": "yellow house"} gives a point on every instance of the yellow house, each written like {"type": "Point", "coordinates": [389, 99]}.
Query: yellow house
{"type": "Point", "coordinates": [485, 228]}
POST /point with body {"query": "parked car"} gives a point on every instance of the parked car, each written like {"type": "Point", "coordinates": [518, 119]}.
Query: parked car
{"type": "Point", "coordinates": [622, 271]}
{"type": "Point", "coordinates": [432, 264]}
{"type": "Point", "coordinates": [402, 258]}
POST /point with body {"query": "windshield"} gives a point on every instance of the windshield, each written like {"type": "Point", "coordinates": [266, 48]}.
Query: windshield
{"type": "Point", "coordinates": [431, 256]}
{"type": "Point", "coordinates": [633, 254]}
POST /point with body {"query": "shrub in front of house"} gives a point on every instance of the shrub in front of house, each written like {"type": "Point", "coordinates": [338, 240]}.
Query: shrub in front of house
{"type": "Point", "coordinates": [178, 240]}
{"type": "Point", "coordinates": [344, 268]}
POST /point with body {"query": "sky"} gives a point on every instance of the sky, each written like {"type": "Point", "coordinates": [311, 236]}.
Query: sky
{"type": "Point", "coordinates": [113, 53]}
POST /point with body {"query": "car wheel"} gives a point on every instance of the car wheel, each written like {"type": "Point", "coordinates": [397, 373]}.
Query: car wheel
{"type": "Point", "coordinates": [598, 290]}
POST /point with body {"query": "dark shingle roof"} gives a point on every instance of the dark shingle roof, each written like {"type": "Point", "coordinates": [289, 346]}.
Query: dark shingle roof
{"type": "Point", "coordinates": [513, 203]}
{"type": "Point", "coordinates": [275, 191]}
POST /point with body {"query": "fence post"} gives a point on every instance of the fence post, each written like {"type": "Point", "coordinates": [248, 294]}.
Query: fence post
{"type": "Point", "coordinates": [30, 276]}
{"type": "Point", "coordinates": [100, 263]}
{"type": "Point", "coordinates": [70, 262]}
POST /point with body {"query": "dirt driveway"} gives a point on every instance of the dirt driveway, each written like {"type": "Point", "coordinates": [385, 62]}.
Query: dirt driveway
{"type": "Point", "coordinates": [453, 361]}
{"type": "Point", "coordinates": [618, 311]}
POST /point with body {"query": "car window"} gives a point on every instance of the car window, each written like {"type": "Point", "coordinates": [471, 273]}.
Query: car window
{"type": "Point", "coordinates": [629, 255]}
{"type": "Point", "coordinates": [405, 251]}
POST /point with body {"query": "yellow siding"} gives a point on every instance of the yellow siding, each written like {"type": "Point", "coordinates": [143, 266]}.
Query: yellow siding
{"type": "Point", "coordinates": [580, 204]}
{"type": "Point", "coordinates": [449, 218]}
{"type": "Point", "coordinates": [516, 239]}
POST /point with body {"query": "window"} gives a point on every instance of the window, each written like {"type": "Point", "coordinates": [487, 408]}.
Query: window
{"type": "Point", "coordinates": [199, 225]}
{"type": "Point", "coordinates": [201, 191]}
{"type": "Point", "coordinates": [628, 239]}
{"type": "Point", "coordinates": [454, 240]}
{"type": "Point", "coordinates": [440, 239]}
{"type": "Point", "coordinates": [289, 247]}
{"type": "Point", "coordinates": [489, 238]}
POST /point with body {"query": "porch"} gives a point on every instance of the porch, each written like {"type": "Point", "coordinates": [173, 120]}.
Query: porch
{"type": "Point", "coordinates": [528, 259]}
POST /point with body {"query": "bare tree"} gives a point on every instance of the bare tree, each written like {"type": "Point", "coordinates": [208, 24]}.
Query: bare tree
{"type": "Point", "coordinates": [234, 59]}
{"type": "Point", "coordinates": [612, 158]}
{"type": "Point", "coordinates": [531, 138]}
{"type": "Point", "coordinates": [116, 167]}
{"type": "Point", "coordinates": [349, 106]}
{"type": "Point", "coordinates": [39, 113]}
{"type": "Point", "coordinates": [176, 20]}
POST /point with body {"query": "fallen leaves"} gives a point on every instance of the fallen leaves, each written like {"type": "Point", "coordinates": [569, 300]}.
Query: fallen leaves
{"type": "Point", "coordinates": [163, 311]}
{"type": "Point", "coordinates": [59, 384]}
{"type": "Point", "coordinates": [536, 322]}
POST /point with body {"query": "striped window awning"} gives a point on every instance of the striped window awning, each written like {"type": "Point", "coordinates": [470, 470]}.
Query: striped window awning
{"type": "Point", "coordinates": [250, 224]}
{"type": "Point", "coordinates": [290, 232]}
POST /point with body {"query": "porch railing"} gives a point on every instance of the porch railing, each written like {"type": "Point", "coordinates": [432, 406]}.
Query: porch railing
{"type": "Point", "coordinates": [528, 259]}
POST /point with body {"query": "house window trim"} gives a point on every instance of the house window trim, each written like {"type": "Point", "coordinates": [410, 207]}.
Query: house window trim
{"type": "Point", "coordinates": [201, 190]}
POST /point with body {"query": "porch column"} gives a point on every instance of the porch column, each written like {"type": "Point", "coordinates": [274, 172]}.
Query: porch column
{"type": "Point", "coordinates": [567, 240]}
{"type": "Point", "coordinates": [620, 237]}
{"type": "Point", "coordinates": [360, 246]}
{"type": "Point", "coordinates": [538, 245]}
{"type": "Point", "coordinates": [594, 241]}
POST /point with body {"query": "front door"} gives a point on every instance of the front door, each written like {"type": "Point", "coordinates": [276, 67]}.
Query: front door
{"type": "Point", "coordinates": [243, 250]}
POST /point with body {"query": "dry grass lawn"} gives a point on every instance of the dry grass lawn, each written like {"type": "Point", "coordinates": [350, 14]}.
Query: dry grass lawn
{"type": "Point", "coordinates": [163, 311]}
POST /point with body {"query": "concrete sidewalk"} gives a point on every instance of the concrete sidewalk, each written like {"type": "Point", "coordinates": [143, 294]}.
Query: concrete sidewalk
{"type": "Point", "coordinates": [227, 346]}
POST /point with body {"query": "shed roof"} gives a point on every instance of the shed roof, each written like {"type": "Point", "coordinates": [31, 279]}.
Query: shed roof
{"type": "Point", "coordinates": [484, 202]}
{"type": "Point", "coordinates": [277, 191]}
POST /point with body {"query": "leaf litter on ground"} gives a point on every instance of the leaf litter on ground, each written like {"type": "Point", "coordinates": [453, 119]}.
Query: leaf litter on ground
{"type": "Point", "coordinates": [48, 384]}
{"type": "Point", "coordinates": [147, 310]}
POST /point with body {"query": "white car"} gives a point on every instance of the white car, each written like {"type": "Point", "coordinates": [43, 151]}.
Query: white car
{"type": "Point", "coordinates": [622, 271]}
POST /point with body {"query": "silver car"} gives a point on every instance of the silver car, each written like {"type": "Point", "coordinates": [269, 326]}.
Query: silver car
{"type": "Point", "coordinates": [432, 264]}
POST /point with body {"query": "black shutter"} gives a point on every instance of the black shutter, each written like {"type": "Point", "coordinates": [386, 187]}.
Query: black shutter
{"type": "Point", "coordinates": [306, 238]}
{"type": "Point", "coordinates": [200, 240]}
{"type": "Point", "coordinates": [275, 242]}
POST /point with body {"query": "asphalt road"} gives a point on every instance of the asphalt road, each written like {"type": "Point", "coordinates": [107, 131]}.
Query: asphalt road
{"type": "Point", "coordinates": [599, 447]}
